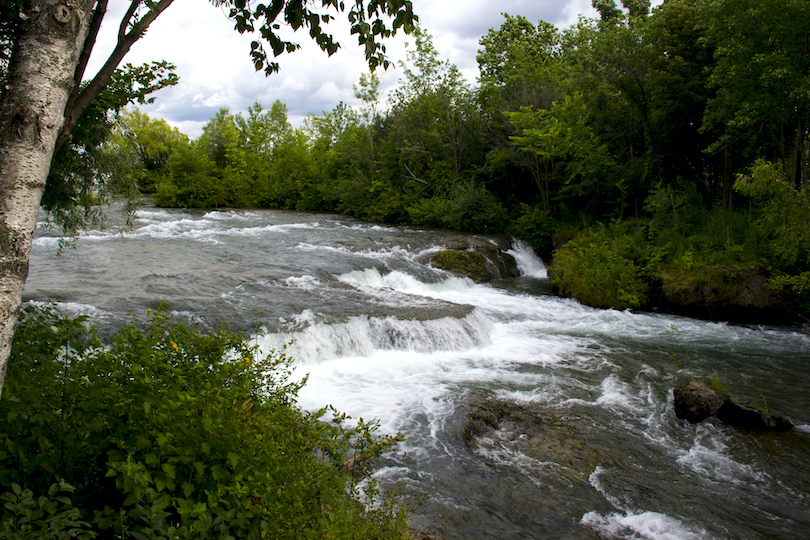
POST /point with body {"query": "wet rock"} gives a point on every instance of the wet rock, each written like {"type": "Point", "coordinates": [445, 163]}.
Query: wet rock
{"type": "Point", "coordinates": [697, 401]}
{"type": "Point", "coordinates": [486, 415]}
{"type": "Point", "coordinates": [480, 259]}
{"type": "Point", "coordinates": [479, 267]}
{"type": "Point", "coordinates": [749, 416]}
{"type": "Point", "coordinates": [421, 535]}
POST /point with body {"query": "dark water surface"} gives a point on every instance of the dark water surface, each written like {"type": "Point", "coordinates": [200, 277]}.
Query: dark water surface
{"type": "Point", "coordinates": [383, 335]}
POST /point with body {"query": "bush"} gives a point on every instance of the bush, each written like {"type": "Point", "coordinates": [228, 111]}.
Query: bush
{"type": "Point", "coordinates": [169, 431]}
{"type": "Point", "coordinates": [603, 268]}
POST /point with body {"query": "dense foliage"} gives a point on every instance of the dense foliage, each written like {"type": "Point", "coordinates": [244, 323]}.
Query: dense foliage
{"type": "Point", "coordinates": [651, 116]}
{"type": "Point", "coordinates": [170, 432]}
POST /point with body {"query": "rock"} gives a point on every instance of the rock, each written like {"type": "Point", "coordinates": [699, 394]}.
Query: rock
{"type": "Point", "coordinates": [481, 262]}
{"type": "Point", "coordinates": [745, 287]}
{"type": "Point", "coordinates": [748, 416]}
{"type": "Point", "coordinates": [421, 535]}
{"type": "Point", "coordinates": [697, 401]}
{"type": "Point", "coordinates": [498, 425]}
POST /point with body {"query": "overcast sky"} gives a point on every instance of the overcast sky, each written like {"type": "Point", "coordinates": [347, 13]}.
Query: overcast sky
{"type": "Point", "coordinates": [215, 70]}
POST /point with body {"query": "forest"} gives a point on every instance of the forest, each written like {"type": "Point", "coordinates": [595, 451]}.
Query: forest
{"type": "Point", "coordinates": [652, 154]}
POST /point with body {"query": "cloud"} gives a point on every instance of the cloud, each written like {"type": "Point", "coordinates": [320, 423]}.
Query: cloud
{"type": "Point", "coordinates": [215, 70]}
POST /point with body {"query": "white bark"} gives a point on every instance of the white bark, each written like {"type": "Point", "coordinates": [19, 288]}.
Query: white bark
{"type": "Point", "coordinates": [32, 109]}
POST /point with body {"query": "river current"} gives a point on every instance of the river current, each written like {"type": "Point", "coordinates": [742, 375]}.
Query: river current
{"type": "Point", "coordinates": [384, 335]}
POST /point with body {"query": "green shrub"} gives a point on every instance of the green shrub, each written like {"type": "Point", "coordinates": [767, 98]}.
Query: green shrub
{"type": "Point", "coordinates": [169, 431]}
{"type": "Point", "coordinates": [713, 381]}
{"type": "Point", "coordinates": [603, 268]}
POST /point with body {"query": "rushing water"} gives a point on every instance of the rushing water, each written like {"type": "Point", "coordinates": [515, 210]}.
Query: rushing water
{"type": "Point", "coordinates": [384, 335]}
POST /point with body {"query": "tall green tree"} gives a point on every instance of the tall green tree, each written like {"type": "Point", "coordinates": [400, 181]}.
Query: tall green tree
{"type": "Point", "coordinates": [150, 142]}
{"type": "Point", "coordinates": [762, 100]}
{"type": "Point", "coordinates": [519, 66]}
{"type": "Point", "coordinates": [85, 172]}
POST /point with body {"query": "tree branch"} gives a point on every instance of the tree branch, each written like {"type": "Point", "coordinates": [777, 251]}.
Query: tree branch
{"type": "Point", "coordinates": [413, 176]}
{"type": "Point", "coordinates": [84, 57]}
{"type": "Point", "coordinates": [99, 82]}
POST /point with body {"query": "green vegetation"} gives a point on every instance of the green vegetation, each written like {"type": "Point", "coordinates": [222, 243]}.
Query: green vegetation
{"type": "Point", "coordinates": [169, 432]}
{"type": "Point", "coordinates": [713, 381]}
{"type": "Point", "coordinates": [604, 267]}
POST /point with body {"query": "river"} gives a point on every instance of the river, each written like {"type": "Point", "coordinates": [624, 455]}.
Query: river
{"type": "Point", "coordinates": [384, 335]}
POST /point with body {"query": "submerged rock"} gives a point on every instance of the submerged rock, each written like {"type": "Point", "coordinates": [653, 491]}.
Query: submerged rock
{"type": "Point", "coordinates": [697, 401]}
{"type": "Point", "coordinates": [494, 425]}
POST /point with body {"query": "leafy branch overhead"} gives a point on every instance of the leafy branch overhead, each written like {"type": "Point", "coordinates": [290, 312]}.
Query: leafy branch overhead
{"type": "Point", "coordinates": [366, 20]}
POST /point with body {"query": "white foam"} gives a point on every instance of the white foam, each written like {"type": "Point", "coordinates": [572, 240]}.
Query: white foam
{"type": "Point", "coordinates": [306, 283]}
{"type": "Point", "coordinates": [636, 525]}
{"type": "Point", "coordinates": [642, 525]}
{"type": "Point", "coordinates": [617, 396]}
{"type": "Point", "coordinates": [708, 457]}
{"type": "Point", "coordinates": [363, 336]}
{"type": "Point", "coordinates": [74, 309]}
{"type": "Point", "coordinates": [370, 277]}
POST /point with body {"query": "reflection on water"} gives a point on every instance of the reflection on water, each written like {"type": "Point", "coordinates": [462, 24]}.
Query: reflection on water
{"type": "Point", "coordinates": [382, 334]}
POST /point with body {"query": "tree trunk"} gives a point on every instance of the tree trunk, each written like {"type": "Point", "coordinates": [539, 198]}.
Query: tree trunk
{"type": "Point", "coordinates": [728, 176]}
{"type": "Point", "coordinates": [798, 158]}
{"type": "Point", "coordinates": [40, 79]}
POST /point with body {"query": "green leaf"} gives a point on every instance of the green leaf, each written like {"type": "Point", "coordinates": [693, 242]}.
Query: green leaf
{"type": "Point", "coordinates": [168, 468]}
{"type": "Point", "coordinates": [188, 489]}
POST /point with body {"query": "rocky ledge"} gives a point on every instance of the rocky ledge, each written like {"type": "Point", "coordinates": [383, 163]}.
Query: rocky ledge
{"type": "Point", "coordinates": [697, 401]}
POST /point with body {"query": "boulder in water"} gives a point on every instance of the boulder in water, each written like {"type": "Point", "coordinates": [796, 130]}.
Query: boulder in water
{"type": "Point", "coordinates": [480, 265]}
{"type": "Point", "coordinates": [696, 401]}
{"type": "Point", "coordinates": [750, 416]}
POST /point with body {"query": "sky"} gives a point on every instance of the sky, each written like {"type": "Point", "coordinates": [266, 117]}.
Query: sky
{"type": "Point", "coordinates": [215, 70]}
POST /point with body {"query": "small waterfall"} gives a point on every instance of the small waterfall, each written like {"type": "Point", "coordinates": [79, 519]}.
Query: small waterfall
{"type": "Point", "coordinates": [362, 336]}
{"type": "Point", "coordinates": [528, 262]}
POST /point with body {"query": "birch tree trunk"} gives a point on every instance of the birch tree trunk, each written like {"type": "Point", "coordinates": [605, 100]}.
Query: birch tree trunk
{"type": "Point", "coordinates": [32, 109]}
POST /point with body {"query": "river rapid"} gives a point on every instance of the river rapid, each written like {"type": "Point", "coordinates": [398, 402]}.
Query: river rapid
{"type": "Point", "coordinates": [384, 335]}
